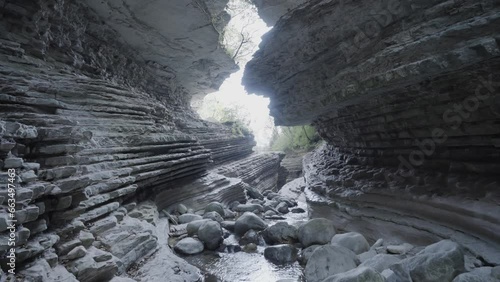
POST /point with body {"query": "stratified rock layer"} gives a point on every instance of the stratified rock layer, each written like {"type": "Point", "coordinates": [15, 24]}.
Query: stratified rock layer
{"type": "Point", "coordinates": [406, 95]}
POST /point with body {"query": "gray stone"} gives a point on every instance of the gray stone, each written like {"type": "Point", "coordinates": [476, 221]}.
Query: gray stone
{"type": "Point", "coordinates": [329, 260]}
{"type": "Point", "coordinates": [481, 274]}
{"type": "Point", "coordinates": [229, 225]}
{"type": "Point", "coordinates": [281, 254]}
{"type": "Point", "coordinates": [213, 215]}
{"type": "Point", "coordinates": [193, 226]}
{"type": "Point", "coordinates": [248, 208]}
{"type": "Point", "coordinates": [250, 248]}
{"type": "Point", "coordinates": [250, 237]}
{"type": "Point", "coordinates": [76, 253]}
{"type": "Point", "coordinates": [367, 255]}
{"type": "Point", "coordinates": [13, 163]}
{"type": "Point", "coordinates": [189, 246]}
{"type": "Point", "coordinates": [316, 231]}
{"type": "Point", "coordinates": [381, 262]}
{"type": "Point", "coordinates": [28, 176]}
{"type": "Point", "coordinates": [280, 233]}
{"type": "Point", "coordinates": [360, 274]}
{"type": "Point", "coordinates": [248, 221]}
{"type": "Point", "coordinates": [216, 207]}
{"type": "Point", "coordinates": [210, 233]}
{"type": "Point", "coordinates": [254, 193]}
{"type": "Point", "coordinates": [86, 238]}
{"type": "Point", "coordinates": [282, 207]}
{"type": "Point", "coordinates": [188, 217]}
{"type": "Point", "coordinates": [181, 209]}
{"type": "Point", "coordinates": [441, 261]}
{"type": "Point", "coordinates": [353, 241]}
{"type": "Point", "coordinates": [306, 253]}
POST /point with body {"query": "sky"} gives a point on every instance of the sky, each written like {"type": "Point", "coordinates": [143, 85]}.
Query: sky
{"type": "Point", "coordinates": [231, 93]}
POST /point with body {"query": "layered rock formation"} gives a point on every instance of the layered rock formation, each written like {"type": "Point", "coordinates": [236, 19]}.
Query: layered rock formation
{"type": "Point", "coordinates": [406, 95]}
{"type": "Point", "coordinates": [95, 118]}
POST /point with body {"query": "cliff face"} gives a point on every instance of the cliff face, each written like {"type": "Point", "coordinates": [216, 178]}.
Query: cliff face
{"type": "Point", "coordinates": [406, 95]}
{"type": "Point", "coordinates": [95, 119]}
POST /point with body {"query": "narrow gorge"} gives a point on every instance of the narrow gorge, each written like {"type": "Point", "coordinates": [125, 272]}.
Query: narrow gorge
{"type": "Point", "coordinates": [109, 174]}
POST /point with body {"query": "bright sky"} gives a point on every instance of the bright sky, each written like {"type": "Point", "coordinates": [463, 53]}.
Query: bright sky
{"type": "Point", "coordinates": [231, 93]}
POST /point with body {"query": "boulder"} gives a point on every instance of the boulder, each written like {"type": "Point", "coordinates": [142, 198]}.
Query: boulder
{"type": "Point", "coordinates": [248, 208]}
{"type": "Point", "coordinates": [193, 226]}
{"type": "Point", "coordinates": [210, 233]}
{"type": "Point", "coordinates": [281, 254]}
{"type": "Point", "coordinates": [213, 215]}
{"type": "Point", "coordinates": [298, 210]}
{"type": "Point", "coordinates": [76, 253]}
{"type": "Point", "coordinates": [181, 209]}
{"type": "Point", "coordinates": [248, 221]}
{"type": "Point", "coordinates": [316, 231]}
{"type": "Point", "coordinates": [216, 207]}
{"type": "Point", "coordinates": [250, 248]}
{"type": "Point", "coordinates": [254, 193]}
{"type": "Point", "coordinates": [329, 260]}
{"type": "Point", "coordinates": [250, 237]}
{"type": "Point", "coordinates": [189, 246]}
{"type": "Point", "coordinates": [441, 261]}
{"type": "Point", "coordinates": [360, 274]}
{"type": "Point", "coordinates": [381, 262]}
{"type": "Point", "coordinates": [282, 208]}
{"type": "Point", "coordinates": [353, 241]}
{"type": "Point", "coordinates": [229, 225]}
{"type": "Point", "coordinates": [280, 233]}
{"type": "Point", "coordinates": [366, 255]}
{"type": "Point", "coordinates": [188, 217]}
{"type": "Point", "coordinates": [306, 253]}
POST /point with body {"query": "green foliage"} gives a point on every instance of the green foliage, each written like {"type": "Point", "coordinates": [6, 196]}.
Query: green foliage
{"type": "Point", "coordinates": [296, 138]}
{"type": "Point", "coordinates": [238, 128]}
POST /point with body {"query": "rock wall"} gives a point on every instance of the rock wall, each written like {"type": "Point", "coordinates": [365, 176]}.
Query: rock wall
{"type": "Point", "coordinates": [95, 118]}
{"type": "Point", "coordinates": [406, 94]}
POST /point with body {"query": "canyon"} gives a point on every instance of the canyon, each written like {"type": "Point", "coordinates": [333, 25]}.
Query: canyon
{"type": "Point", "coordinates": [99, 144]}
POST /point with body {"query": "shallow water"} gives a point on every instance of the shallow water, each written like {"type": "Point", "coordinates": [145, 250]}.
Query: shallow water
{"type": "Point", "coordinates": [249, 267]}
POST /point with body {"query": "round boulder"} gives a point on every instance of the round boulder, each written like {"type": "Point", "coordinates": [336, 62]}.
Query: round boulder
{"type": "Point", "coordinates": [316, 231]}
{"type": "Point", "coordinates": [213, 215]}
{"type": "Point", "coordinates": [216, 207]}
{"type": "Point", "coordinates": [193, 226]}
{"type": "Point", "coordinates": [280, 233]}
{"type": "Point", "coordinates": [353, 241]}
{"type": "Point", "coordinates": [248, 221]}
{"type": "Point", "coordinates": [250, 237]}
{"type": "Point", "coordinates": [210, 233]}
{"type": "Point", "coordinates": [281, 254]}
{"type": "Point", "coordinates": [329, 260]}
{"type": "Point", "coordinates": [189, 246]}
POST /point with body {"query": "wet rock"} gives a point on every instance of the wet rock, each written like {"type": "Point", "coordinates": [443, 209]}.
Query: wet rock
{"type": "Point", "coordinates": [353, 241]}
{"type": "Point", "coordinates": [250, 237]}
{"type": "Point", "coordinates": [298, 210]}
{"type": "Point", "coordinates": [233, 248]}
{"type": "Point", "coordinates": [306, 254]}
{"type": "Point", "coordinates": [381, 262]}
{"type": "Point", "coordinates": [216, 207]}
{"type": "Point", "coordinates": [249, 221]}
{"type": "Point", "coordinates": [188, 217]}
{"type": "Point", "coordinates": [250, 248]}
{"type": "Point", "coordinates": [441, 261]}
{"type": "Point", "coordinates": [210, 233]}
{"type": "Point", "coordinates": [272, 195]}
{"type": "Point", "coordinates": [359, 274]}
{"type": "Point", "coordinates": [213, 215]}
{"type": "Point", "coordinates": [399, 249]}
{"type": "Point", "coordinates": [281, 254]}
{"type": "Point", "coordinates": [282, 208]}
{"type": "Point", "coordinates": [316, 231]}
{"type": "Point", "coordinates": [270, 213]}
{"type": "Point", "coordinates": [280, 233]}
{"type": "Point", "coordinates": [248, 208]}
{"type": "Point", "coordinates": [13, 163]}
{"type": "Point", "coordinates": [329, 260]}
{"type": "Point", "coordinates": [189, 246]}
